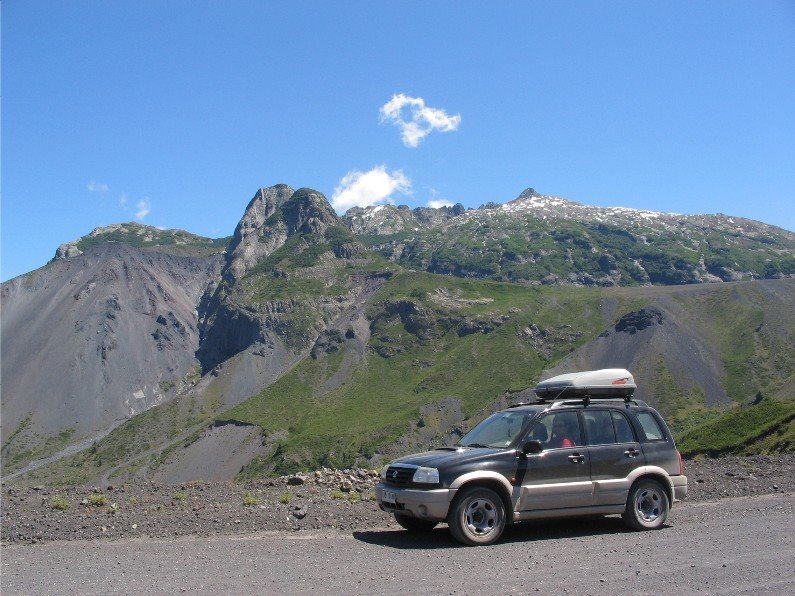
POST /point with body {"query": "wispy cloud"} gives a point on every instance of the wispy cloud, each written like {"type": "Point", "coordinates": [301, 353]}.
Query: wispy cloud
{"type": "Point", "coordinates": [416, 120]}
{"type": "Point", "coordinates": [94, 186]}
{"type": "Point", "coordinates": [360, 189]}
{"type": "Point", "coordinates": [123, 201]}
{"type": "Point", "coordinates": [143, 209]}
{"type": "Point", "coordinates": [439, 203]}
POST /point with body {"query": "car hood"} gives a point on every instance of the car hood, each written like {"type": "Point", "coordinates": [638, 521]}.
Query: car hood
{"type": "Point", "coordinates": [444, 457]}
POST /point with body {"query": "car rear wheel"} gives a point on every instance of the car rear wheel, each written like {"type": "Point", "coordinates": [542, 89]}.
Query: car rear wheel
{"type": "Point", "coordinates": [412, 524]}
{"type": "Point", "coordinates": [477, 516]}
{"type": "Point", "coordinates": [647, 506]}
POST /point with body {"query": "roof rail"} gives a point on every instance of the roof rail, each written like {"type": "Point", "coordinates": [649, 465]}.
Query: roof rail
{"type": "Point", "coordinates": [581, 400]}
{"type": "Point", "coordinates": [586, 397]}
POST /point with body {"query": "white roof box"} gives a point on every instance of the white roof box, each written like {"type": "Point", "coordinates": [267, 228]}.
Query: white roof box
{"type": "Point", "coordinates": [608, 381]}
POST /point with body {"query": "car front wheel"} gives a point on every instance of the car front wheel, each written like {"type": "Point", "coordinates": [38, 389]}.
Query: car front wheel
{"type": "Point", "coordinates": [647, 506]}
{"type": "Point", "coordinates": [477, 516]}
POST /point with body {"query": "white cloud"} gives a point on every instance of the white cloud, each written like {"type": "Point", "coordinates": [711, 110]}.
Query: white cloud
{"type": "Point", "coordinates": [144, 207]}
{"type": "Point", "coordinates": [123, 200]}
{"type": "Point", "coordinates": [439, 203]}
{"type": "Point", "coordinates": [94, 186]}
{"type": "Point", "coordinates": [415, 119]}
{"type": "Point", "coordinates": [360, 189]}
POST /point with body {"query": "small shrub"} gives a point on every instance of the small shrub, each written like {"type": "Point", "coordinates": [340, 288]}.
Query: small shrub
{"type": "Point", "coordinates": [249, 500]}
{"type": "Point", "coordinates": [285, 498]}
{"type": "Point", "coordinates": [113, 508]}
{"type": "Point", "coordinates": [180, 498]}
{"type": "Point", "coordinates": [354, 496]}
{"type": "Point", "coordinates": [97, 500]}
{"type": "Point", "coordinates": [60, 503]}
{"type": "Point", "coordinates": [132, 501]}
{"type": "Point", "coordinates": [337, 494]}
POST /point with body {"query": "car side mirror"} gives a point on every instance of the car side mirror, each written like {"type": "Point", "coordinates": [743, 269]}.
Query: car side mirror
{"type": "Point", "coordinates": [532, 447]}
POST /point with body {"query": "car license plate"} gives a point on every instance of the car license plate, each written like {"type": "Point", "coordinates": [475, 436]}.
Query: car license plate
{"type": "Point", "coordinates": [388, 497]}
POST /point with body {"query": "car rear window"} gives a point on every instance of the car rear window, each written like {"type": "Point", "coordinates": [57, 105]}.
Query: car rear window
{"type": "Point", "coordinates": [650, 426]}
{"type": "Point", "coordinates": [599, 427]}
{"type": "Point", "coordinates": [624, 432]}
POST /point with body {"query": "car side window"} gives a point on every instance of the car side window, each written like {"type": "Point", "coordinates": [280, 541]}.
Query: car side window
{"type": "Point", "coordinates": [650, 426]}
{"type": "Point", "coordinates": [559, 430]}
{"type": "Point", "coordinates": [624, 432]}
{"type": "Point", "coordinates": [599, 427]}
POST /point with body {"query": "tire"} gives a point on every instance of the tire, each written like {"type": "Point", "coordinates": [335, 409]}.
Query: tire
{"type": "Point", "coordinates": [647, 506]}
{"type": "Point", "coordinates": [477, 516]}
{"type": "Point", "coordinates": [414, 525]}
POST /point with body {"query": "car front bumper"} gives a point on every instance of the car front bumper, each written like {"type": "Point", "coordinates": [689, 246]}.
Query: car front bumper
{"type": "Point", "coordinates": [430, 504]}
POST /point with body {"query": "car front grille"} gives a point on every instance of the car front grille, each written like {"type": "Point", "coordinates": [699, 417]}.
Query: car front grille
{"type": "Point", "coordinates": [399, 476]}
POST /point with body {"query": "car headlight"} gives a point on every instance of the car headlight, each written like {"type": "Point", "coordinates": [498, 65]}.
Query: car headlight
{"type": "Point", "coordinates": [426, 476]}
{"type": "Point", "coordinates": [383, 472]}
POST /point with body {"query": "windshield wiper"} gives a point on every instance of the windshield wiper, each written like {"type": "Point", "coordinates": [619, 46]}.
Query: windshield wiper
{"type": "Point", "coordinates": [477, 445]}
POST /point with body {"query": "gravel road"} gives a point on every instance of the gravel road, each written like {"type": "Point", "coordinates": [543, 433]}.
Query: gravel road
{"type": "Point", "coordinates": [740, 545]}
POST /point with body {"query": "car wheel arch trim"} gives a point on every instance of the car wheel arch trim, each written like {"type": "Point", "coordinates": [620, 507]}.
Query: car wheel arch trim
{"type": "Point", "coordinates": [657, 475]}
{"type": "Point", "coordinates": [492, 480]}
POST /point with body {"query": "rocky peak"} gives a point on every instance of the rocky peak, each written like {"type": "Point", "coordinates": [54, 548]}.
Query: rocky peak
{"type": "Point", "coordinates": [380, 220]}
{"type": "Point", "coordinates": [384, 220]}
{"type": "Point", "coordinates": [529, 193]}
{"type": "Point", "coordinates": [434, 216]}
{"type": "Point", "coordinates": [274, 215]}
{"type": "Point", "coordinates": [308, 212]}
{"type": "Point", "coordinates": [246, 247]}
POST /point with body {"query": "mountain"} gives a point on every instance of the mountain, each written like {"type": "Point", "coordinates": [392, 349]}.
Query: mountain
{"type": "Point", "coordinates": [105, 331]}
{"type": "Point", "coordinates": [550, 240]}
{"type": "Point", "coordinates": [308, 339]}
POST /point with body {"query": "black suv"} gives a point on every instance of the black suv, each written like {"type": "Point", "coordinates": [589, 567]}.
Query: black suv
{"type": "Point", "coordinates": [586, 447]}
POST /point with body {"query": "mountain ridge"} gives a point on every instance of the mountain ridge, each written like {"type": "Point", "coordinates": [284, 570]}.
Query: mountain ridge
{"type": "Point", "coordinates": [301, 302]}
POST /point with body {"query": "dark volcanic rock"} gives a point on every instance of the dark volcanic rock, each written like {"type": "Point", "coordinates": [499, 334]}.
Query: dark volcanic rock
{"type": "Point", "coordinates": [639, 320]}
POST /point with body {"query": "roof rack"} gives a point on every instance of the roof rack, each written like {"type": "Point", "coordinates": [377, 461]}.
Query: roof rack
{"type": "Point", "coordinates": [580, 400]}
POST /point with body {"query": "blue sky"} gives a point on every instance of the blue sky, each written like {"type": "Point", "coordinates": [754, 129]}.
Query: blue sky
{"type": "Point", "coordinates": [175, 112]}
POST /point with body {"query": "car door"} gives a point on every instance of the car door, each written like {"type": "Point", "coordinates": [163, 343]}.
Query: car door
{"type": "Point", "coordinates": [614, 453]}
{"type": "Point", "coordinates": [559, 476]}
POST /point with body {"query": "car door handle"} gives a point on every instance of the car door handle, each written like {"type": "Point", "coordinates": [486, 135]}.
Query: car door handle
{"type": "Point", "coordinates": [577, 458]}
{"type": "Point", "coordinates": [632, 453]}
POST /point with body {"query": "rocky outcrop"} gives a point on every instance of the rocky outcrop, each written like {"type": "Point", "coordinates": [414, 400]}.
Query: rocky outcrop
{"type": "Point", "coordinates": [253, 240]}
{"type": "Point", "coordinates": [639, 320]}
{"type": "Point", "coordinates": [386, 220]}
{"type": "Point", "coordinates": [279, 226]}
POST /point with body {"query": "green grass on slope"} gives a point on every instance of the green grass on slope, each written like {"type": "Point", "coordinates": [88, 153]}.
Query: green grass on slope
{"type": "Point", "coordinates": [682, 407]}
{"type": "Point", "coordinates": [763, 428]}
{"type": "Point", "coordinates": [176, 241]}
{"type": "Point", "coordinates": [136, 443]}
{"type": "Point", "coordinates": [737, 319]}
{"type": "Point", "coordinates": [377, 403]}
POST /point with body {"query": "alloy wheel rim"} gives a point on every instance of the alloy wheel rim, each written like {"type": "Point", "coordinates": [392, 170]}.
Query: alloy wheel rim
{"type": "Point", "coordinates": [649, 504]}
{"type": "Point", "coordinates": [480, 516]}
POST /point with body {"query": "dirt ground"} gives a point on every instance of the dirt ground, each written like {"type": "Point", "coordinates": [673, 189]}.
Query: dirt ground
{"type": "Point", "coordinates": [325, 499]}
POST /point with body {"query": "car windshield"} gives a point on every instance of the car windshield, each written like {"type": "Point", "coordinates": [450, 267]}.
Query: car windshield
{"type": "Point", "coordinates": [498, 430]}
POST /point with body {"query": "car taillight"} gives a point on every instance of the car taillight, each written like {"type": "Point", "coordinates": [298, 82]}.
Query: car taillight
{"type": "Point", "coordinates": [681, 463]}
